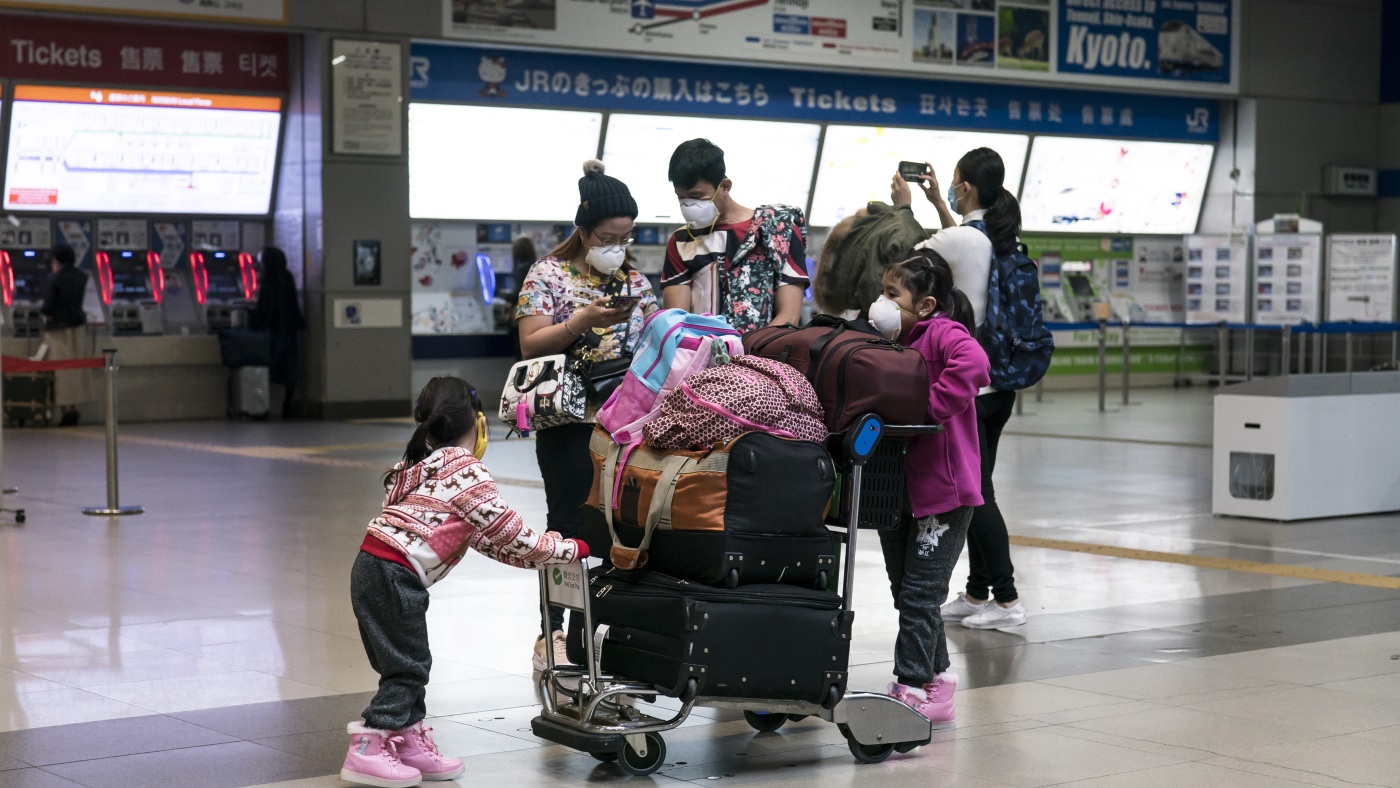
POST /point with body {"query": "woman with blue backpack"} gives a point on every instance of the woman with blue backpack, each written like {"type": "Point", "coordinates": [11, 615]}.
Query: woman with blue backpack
{"type": "Point", "coordinates": [990, 266]}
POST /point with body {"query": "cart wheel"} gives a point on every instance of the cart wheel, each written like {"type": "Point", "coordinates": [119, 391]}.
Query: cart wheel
{"type": "Point", "coordinates": [906, 747]}
{"type": "Point", "coordinates": [605, 757]}
{"type": "Point", "coordinates": [637, 765]}
{"type": "Point", "coordinates": [869, 753]}
{"type": "Point", "coordinates": [763, 721]}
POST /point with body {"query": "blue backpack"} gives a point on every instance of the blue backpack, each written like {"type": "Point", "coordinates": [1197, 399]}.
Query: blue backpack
{"type": "Point", "coordinates": [1014, 335]}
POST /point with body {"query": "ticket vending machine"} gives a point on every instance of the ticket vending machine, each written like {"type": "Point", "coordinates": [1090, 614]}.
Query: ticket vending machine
{"type": "Point", "coordinates": [132, 285]}
{"type": "Point", "coordinates": [23, 275]}
{"type": "Point", "coordinates": [225, 286]}
{"type": "Point", "coordinates": [130, 278]}
{"type": "Point", "coordinates": [25, 248]}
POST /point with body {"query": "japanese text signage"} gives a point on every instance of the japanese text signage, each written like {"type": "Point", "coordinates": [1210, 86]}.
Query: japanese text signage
{"type": "Point", "coordinates": [1180, 45]}
{"type": "Point", "coordinates": [104, 53]}
{"type": "Point", "coordinates": [448, 73]}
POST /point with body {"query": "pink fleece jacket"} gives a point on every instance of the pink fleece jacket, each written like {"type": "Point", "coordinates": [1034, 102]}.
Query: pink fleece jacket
{"type": "Point", "coordinates": [944, 471]}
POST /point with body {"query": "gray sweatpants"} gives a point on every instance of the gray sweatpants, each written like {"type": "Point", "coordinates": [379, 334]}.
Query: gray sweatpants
{"type": "Point", "coordinates": [919, 557]}
{"type": "Point", "coordinates": [391, 605]}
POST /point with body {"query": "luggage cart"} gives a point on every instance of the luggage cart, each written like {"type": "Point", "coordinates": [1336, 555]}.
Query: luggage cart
{"type": "Point", "coordinates": [587, 710]}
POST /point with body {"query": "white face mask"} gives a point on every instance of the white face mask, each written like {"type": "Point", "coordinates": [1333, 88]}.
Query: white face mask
{"type": "Point", "coordinates": [699, 214]}
{"type": "Point", "coordinates": [607, 259]}
{"type": "Point", "coordinates": [884, 316]}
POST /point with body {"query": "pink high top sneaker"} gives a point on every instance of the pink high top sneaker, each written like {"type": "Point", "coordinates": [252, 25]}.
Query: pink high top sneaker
{"type": "Point", "coordinates": [420, 752]}
{"type": "Point", "coordinates": [934, 700]}
{"type": "Point", "coordinates": [373, 759]}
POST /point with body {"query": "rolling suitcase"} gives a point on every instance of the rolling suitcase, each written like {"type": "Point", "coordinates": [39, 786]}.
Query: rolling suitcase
{"type": "Point", "coordinates": [29, 399]}
{"type": "Point", "coordinates": [752, 511]}
{"type": "Point", "coordinates": [762, 641]}
{"type": "Point", "coordinates": [249, 391]}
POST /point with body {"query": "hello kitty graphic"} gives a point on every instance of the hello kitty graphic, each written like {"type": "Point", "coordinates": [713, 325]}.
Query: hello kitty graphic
{"type": "Point", "coordinates": [493, 72]}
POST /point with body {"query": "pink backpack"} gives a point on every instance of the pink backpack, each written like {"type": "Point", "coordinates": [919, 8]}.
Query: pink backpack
{"type": "Point", "coordinates": [750, 393]}
{"type": "Point", "coordinates": [674, 345]}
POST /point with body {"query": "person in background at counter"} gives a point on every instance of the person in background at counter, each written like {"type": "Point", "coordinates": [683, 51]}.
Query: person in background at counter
{"type": "Point", "coordinates": [565, 307]}
{"type": "Point", "coordinates": [278, 312]}
{"type": "Point", "coordinates": [522, 258]}
{"type": "Point", "coordinates": [991, 224]}
{"type": "Point", "coordinates": [749, 265]}
{"type": "Point", "coordinates": [65, 333]}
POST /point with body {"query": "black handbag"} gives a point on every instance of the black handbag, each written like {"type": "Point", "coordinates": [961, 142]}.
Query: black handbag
{"type": "Point", "coordinates": [601, 378]}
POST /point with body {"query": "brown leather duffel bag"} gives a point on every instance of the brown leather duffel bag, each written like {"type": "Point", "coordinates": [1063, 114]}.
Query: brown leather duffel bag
{"type": "Point", "coordinates": [854, 370]}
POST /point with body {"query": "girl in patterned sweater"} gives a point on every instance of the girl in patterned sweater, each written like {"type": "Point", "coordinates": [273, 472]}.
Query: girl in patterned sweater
{"type": "Point", "coordinates": [441, 501]}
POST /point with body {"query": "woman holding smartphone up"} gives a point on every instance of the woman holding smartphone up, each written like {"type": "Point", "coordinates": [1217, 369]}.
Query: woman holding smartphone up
{"type": "Point", "coordinates": [582, 299]}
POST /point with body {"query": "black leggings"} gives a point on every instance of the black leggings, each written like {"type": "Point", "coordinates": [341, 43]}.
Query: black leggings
{"type": "Point", "coordinates": [988, 546]}
{"type": "Point", "coordinates": [567, 470]}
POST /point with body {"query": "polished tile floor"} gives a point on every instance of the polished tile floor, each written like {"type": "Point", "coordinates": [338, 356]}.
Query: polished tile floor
{"type": "Point", "coordinates": [209, 642]}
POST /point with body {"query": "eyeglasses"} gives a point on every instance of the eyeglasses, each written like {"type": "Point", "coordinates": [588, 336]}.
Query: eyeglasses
{"type": "Point", "coordinates": [613, 240]}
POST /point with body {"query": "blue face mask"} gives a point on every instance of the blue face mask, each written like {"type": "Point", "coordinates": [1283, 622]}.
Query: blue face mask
{"type": "Point", "coordinates": [953, 198]}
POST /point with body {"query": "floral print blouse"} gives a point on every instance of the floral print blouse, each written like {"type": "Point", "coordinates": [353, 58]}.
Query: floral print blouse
{"type": "Point", "coordinates": [555, 288]}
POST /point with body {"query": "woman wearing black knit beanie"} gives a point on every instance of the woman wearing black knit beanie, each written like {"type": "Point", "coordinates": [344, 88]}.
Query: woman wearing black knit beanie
{"type": "Point", "coordinates": [566, 306]}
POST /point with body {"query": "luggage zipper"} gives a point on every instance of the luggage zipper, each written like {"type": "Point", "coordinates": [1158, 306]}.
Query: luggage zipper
{"type": "Point", "coordinates": [650, 586]}
{"type": "Point", "coordinates": [732, 416]}
{"type": "Point", "coordinates": [678, 326]}
{"type": "Point", "coordinates": [841, 371]}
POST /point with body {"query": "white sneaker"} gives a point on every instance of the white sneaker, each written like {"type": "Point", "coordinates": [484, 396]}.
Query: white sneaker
{"type": "Point", "coordinates": [561, 656]}
{"type": "Point", "coordinates": [961, 608]}
{"type": "Point", "coordinates": [997, 617]}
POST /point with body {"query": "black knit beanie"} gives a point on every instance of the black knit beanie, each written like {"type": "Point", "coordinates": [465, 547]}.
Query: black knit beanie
{"type": "Point", "coordinates": [601, 197]}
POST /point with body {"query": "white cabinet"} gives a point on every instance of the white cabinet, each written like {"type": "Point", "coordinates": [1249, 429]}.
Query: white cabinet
{"type": "Point", "coordinates": [1299, 447]}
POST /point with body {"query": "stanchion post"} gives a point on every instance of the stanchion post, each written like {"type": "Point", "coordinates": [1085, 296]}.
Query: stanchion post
{"type": "Point", "coordinates": [1350, 349]}
{"type": "Point", "coordinates": [1039, 391]}
{"type": "Point", "coordinates": [1395, 348]}
{"type": "Point", "coordinates": [1020, 404]}
{"type": "Point", "coordinates": [113, 507]}
{"type": "Point", "coordinates": [1103, 359]}
{"type": "Point", "coordinates": [1126, 357]}
{"type": "Point", "coordinates": [1285, 349]}
{"type": "Point", "coordinates": [1319, 352]}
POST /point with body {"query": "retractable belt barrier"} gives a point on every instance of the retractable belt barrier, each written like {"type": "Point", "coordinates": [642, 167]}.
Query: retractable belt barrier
{"type": "Point", "coordinates": [1317, 330]}
{"type": "Point", "coordinates": [108, 363]}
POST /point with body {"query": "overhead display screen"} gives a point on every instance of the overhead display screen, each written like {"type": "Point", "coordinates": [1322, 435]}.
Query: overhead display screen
{"type": "Point", "coordinates": [769, 161]}
{"type": "Point", "coordinates": [859, 161]}
{"type": "Point", "coordinates": [497, 163]}
{"type": "Point", "coordinates": [140, 151]}
{"type": "Point", "coordinates": [1085, 185]}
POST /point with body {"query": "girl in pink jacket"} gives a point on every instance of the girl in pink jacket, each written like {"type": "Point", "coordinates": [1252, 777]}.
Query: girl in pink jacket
{"type": "Point", "coordinates": [440, 502]}
{"type": "Point", "coordinates": [922, 308]}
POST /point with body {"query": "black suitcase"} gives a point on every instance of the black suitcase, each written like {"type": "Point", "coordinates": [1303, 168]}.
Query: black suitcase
{"type": "Point", "coordinates": [774, 526]}
{"type": "Point", "coordinates": [774, 642]}
{"type": "Point", "coordinates": [29, 399]}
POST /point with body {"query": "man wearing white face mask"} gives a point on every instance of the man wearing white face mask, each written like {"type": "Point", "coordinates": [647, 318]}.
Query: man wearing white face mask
{"type": "Point", "coordinates": [748, 265]}
{"type": "Point", "coordinates": [567, 306]}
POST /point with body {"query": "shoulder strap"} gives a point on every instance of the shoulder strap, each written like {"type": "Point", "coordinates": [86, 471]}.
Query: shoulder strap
{"type": "Point", "coordinates": [980, 225]}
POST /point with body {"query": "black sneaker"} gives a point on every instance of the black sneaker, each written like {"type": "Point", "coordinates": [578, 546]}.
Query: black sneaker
{"type": "Point", "coordinates": [70, 419]}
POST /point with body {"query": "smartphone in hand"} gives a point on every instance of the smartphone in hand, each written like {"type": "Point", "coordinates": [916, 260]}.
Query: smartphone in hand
{"type": "Point", "coordinates": [628, 302]}
{"type": "Point", "coordinates": [913, 171]}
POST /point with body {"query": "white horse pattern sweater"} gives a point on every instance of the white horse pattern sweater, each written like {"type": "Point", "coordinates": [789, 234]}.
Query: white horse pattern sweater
{"type": "Point", "coordinates": [437, 509]}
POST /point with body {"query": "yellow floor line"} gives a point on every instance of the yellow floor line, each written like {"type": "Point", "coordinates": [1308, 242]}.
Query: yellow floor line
{"type": "Point", "coordinates": [1213, 562]}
